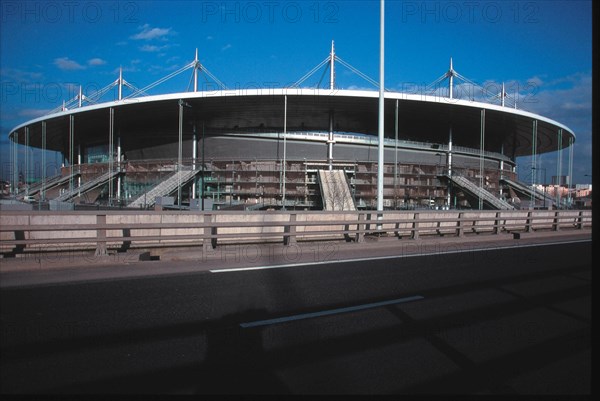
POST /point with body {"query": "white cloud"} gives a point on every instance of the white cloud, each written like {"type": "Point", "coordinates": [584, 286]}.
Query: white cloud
{"type": "Point", "coordinates": [226, 47]}
{"type": "Point", "coordinates": [152, 48]}
{"type": "Point", "coordinates": [33, 113]}
{"type": "Point", "coordinates": [96, 61]}
{"type": "Point", "coordinates": [65, 63]}
{"type": "Point", "coordinates": [568, 100]}
{"type": "Point", "coordinates": [17, 75]}
{"type": "Point", "coordinates": [148, 33]}
{"type": "Point", "coordinates": [570, 103]}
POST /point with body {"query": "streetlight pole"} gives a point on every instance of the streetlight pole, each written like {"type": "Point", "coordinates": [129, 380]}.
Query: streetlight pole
{"type": "Point", "coordinates": [380, 149]}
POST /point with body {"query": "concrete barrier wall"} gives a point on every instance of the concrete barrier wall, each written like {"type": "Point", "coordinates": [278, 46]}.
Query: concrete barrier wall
{"type": "Point", "coordinates": [543, 223]}
{"type": "Point", "coordinates": [350, 217]}
{"type": "Point", "coordinates": [247, 218]}
{"type": "Point", "coordinates": [570, 218]}
{"type": "Point", "coordinates": [127, 221]}
{"type": "Point", "coordinates": [7, 219]}
{"type": "Point", "coordinates": [252, 226]}
{"type": "Point", "coordinates": [517, 221]}
{"type": "Point", "coordinates": [403, 228]}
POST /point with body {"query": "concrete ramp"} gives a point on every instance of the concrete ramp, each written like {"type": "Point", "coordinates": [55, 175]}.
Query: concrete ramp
{"type": "Point", "coordinates": [51, 183]}
{"type": "Point", "coordinates": [526, 192]}
{"type": "Point", "coordinates": [335, 190]}
{"type": "Point", "coordinates": [87, 186]}
{"type": "Point", "coordinates": [477, 192]}
{"type": "Point", "coordinates": [164, 188]}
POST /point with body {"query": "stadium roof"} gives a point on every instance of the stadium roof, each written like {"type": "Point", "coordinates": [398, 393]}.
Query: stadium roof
{"type": "Point", "coordinates": [422, 118]}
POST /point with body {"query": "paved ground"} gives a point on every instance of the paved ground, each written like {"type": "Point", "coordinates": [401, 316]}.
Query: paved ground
{"type": "Point", "coordinates": [457, 319]}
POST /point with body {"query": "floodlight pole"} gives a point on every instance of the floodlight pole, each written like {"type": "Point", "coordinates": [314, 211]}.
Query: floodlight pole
{"type": "Point", "coordinates": [380, 153]}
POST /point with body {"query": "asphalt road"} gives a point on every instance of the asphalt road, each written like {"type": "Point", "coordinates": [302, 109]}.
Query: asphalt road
{"type": "Point", "coordinates": [500, 321]}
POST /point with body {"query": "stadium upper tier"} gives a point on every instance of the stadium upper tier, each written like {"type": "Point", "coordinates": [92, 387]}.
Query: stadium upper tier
{"type": "Point", "coordinates": [154, 120]}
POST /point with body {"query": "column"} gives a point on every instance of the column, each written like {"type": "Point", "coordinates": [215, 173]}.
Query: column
{"type": "Point", "coordinates": [43, 191]}
{"type": "Point", "coordinates": [481, 157]}
{"type": "Point", "coordinates": [26, 161]}
{"type": "Point", "coordinates": [558, 168]}
{"type": "Point", "coordinates": [71, 150]}
{"type": "Point", "coordinates": [533, 159]}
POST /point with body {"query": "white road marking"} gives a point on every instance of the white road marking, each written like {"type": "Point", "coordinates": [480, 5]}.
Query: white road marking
{"type": "Point", "coordinates": [328, 312]}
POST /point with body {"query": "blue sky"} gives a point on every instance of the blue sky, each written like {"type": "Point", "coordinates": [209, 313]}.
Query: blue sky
{"type": "Point", "coordinates": [541, 49]}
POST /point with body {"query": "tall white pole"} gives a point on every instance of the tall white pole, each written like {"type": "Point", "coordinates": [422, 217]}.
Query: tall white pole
{"type": "Point", "coordinates": [284, 150]}
{"type": "Point", "coordinates": [79, 167]}
{"type": "Point", "coordinates": [396, 156]}
{"type": "Point", "coordinates": [26, 175]}
{"type": "Point", "coordinates": [120, 83]}
{"type": "Point", "coordinates": [570, 176]}
{"type": "Point", "coordinates": [481, 158]}
{"type": "Point", "coordinates": [448, 195]}
{"type": "Point", "coordinates": [380, 149]}
{"type": "Point", "coordinates": [111, 131]}
{"type": "Point", "coordinates": [451, 80]}
{"type": "Point", "coordinates": [194, 156]}
{"type": "Point", "coordinates": [71, 151]}
{"type": "Point", "coordinates": [559, 169]}
{"type": "Point", "coordinates": [332, 67]}
{"type": "Point", "coordinates": [533, 159]}
{"type": "Point", "coordinates": [118, 166]}
{"type": "Point", "coordinates": [330, 141]}
{"type": "Point", "coordinates": [179, 153]}
{"type": "Point", "coordinates": [43, 191]}
{"type": "Point", "coordinates": [196, 72]}
{"type": "Point", "coordinates": [15, 153]}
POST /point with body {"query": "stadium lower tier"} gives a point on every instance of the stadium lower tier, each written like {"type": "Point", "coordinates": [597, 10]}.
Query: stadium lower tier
{"type": "Point", "coordinates": [268, 171]}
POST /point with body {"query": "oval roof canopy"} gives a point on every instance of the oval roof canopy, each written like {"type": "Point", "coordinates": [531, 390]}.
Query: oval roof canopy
{"type": "Point", "coordinates": [420, 118]}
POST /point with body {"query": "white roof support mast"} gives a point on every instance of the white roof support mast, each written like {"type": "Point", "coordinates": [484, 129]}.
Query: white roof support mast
{"type": "Point", "coordinates": [120, 83]}
{"type": "Point", "coordinates": [332, 67]}
{"type": "Point", "coordinates": [196, 68]}
{"type": "Point", "coordinates": [450, 75]}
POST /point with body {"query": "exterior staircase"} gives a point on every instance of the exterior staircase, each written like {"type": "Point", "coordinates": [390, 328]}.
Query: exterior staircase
{"type": "Point", "coordinates": [163, 188]}
{"type": "Point", "coordinates": [335, 190]}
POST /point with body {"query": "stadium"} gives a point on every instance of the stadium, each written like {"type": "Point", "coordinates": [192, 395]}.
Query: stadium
{"type": "Point", "coordinates": [293, 148]}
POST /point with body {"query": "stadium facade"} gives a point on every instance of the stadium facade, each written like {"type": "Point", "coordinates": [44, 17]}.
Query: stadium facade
{"type": "Point", "coordinates": [290, 147]}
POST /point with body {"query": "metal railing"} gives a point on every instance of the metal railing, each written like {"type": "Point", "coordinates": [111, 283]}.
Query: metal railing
{"type": "Point", "coordinates": [22, 232]}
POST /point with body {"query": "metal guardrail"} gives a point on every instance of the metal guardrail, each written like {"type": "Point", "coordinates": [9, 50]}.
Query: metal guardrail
{"type": "Point", "coordinates": [287, 227]}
